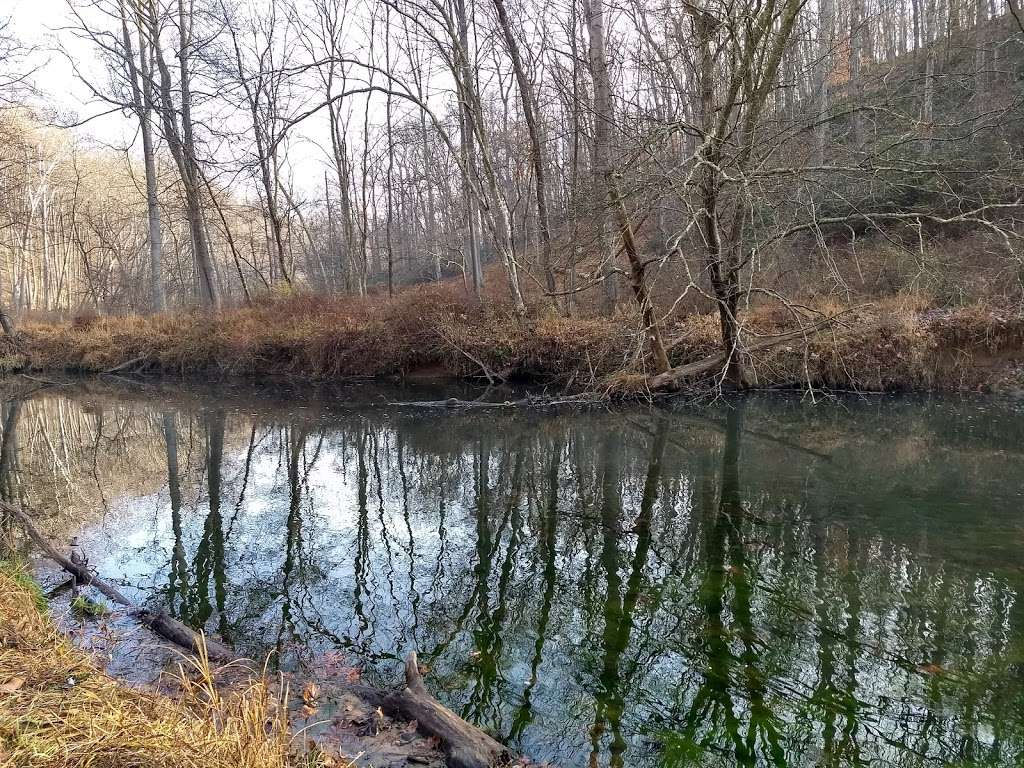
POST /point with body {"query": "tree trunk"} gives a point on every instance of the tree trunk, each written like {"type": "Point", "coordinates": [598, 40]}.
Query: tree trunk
{"type": "Point", "coordinates": [7, 323]}
{"type": "Point", "coordinates": [822, 71]}
{"type": "Point", "coordinates": [181, 142]}
{"type": "Point", "coordinates": [468, 142]}
{"type": "Point", "coordinates": [141, 77]}
{"type": "Point", "coordinates": [928, 101]}
{"type": "Point", "coordinates": [536, 153]}
{"type": "Point", "coordinates": [602, 146]}
{"type": "Point", "coordinates": [856, 84]}
{"type": "Point", "coordinates": [724, 276]}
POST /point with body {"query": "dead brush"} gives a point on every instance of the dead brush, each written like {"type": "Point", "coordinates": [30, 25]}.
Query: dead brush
{"type": "Point", "coordinates": [900, 341]}
{"type": "Point", "coordinates": [58, 710]}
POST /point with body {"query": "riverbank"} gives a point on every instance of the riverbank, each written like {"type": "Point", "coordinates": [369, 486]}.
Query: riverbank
{"type": "Point", "coordinates": [61, 708]}
{"type": "Point", "coordinates": [434, 332]}
{"type": "Point", "coordinates": [58, 708]}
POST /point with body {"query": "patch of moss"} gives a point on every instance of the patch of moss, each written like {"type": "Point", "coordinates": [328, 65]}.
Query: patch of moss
{"type": "Point", "coordinates": [85, 606]}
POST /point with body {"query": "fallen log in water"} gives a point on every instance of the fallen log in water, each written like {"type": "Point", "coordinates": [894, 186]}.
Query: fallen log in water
{"type": "Point", "coordinates": [464, 745]}
{"type": "Point", "coordinates": [535, 401]}
{"type": "Point", "coordinates": [165, 626]}
{"type": "Point", "coordinates": [454, 402]}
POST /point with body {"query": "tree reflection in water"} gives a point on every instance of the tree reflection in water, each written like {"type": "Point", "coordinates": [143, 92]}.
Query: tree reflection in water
{"type": "Point", "coordinates": [768, 584]}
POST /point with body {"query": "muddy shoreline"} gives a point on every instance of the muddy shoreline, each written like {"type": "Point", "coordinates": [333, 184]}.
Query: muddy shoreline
{"type": "Point", "coordinates": [332, 713]}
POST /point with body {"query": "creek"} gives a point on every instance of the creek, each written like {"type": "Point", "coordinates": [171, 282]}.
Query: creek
{"type": "Point", "coordinates": [764, 581]}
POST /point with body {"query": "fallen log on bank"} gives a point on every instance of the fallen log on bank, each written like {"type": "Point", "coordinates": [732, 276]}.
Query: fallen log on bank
{"type": "Point", "coordinates": [125, 365]}
{"type": "Point", "coordinates": [464, 745]}
{"type": "Point", "coordinates": [674, 377]}
{"type": "Point", "coordinates": [158, 621]}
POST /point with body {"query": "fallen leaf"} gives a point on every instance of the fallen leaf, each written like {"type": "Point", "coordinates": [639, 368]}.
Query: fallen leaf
{"type": "Point", "coordinates": [311, 694]}
{"type": "Point", "coordinates": [930, 669]}
{"type": "Point", "coordinates": [12, 685]}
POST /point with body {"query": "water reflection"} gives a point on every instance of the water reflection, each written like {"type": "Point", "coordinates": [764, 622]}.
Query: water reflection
{"type": "Point", "coordinates": [765, 584]}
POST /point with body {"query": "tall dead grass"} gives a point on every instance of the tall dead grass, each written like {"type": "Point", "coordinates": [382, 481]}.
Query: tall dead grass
{"type": "Point", "coordinates": [58, 710]}
{"type": "Point", "coordinates": [429, 327]}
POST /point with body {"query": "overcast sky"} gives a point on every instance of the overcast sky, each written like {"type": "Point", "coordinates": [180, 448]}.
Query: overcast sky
{"type": "Point", "coordinates": [46, 25]}
{"type": "Point", "coordinates": [42, 24]}
{"type": "Point", "coordinates": [38, 23]}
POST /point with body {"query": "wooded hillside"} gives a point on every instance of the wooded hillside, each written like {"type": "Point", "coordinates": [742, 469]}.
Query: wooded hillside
{"type": "Point", "coordinates": [646, 162]}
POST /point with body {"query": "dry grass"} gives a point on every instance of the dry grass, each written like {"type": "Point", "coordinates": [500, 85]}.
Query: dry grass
{"type": "Point", "coordinates": [58, 710]}
{"type": "Point", "coordinates": [899, 342]}
{"type": "Point", "coordinates": [431, 327]}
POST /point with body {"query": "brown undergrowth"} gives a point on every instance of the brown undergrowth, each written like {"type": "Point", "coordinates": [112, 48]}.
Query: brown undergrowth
{"type": "Point", "coordinates": [895, 343]}
{"type": "Point", "coordinates": [59, 710]}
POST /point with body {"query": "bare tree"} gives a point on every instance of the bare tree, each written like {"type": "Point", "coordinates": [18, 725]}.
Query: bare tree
{"type": "Point", "coordinates": [139, 70]}
{"type": "Point", "coordinates": [531, 119]}
{"type": "Point", "coordinates": [603, 120]}
{"type": "Point", "coordinates": [180, 130]}
{"type": "Point", "coordinates": [259, 73]}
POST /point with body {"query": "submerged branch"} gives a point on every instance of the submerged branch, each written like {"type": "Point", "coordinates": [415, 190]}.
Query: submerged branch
{"type": "Point", "coordinates": [164, 625]}
{"type": "Point", "coordinates": [525, 402]}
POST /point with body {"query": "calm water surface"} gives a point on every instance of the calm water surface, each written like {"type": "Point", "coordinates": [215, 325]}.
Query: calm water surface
{"type": "Point", "coordinates": [763, 583]}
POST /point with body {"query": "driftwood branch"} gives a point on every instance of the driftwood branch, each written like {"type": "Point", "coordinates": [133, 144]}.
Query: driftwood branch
{"type": "Point", "coordinates": [490, 375]}
{"type": "Point", "coordinates": [158, 621]}
{"type": "Point", "coordinates": [455, 403]}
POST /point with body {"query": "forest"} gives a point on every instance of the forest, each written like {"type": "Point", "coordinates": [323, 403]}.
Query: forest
{"type": "Point", "coordinates": [695, 188]}
{"type": "Point", "coordinates": [247, 245]}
